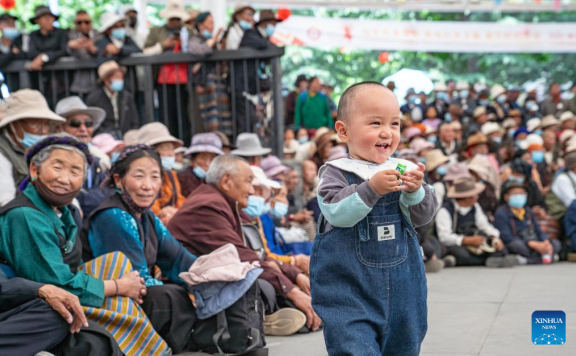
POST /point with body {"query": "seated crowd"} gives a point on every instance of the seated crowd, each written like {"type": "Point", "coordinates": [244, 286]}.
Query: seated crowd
{"type": "Point", "coordinates": [104, 220]}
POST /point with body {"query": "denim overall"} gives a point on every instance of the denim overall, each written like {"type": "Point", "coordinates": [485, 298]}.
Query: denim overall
{"type": "Point", "coordinates": [368, 283]}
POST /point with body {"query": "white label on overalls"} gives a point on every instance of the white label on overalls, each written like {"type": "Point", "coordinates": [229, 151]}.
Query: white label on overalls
{"type": "Point", "coordinates": [387, 232]}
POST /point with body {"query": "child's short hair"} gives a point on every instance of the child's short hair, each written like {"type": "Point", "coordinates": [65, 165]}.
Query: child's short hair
{"type": "Point", "coordinates": [347, 99]}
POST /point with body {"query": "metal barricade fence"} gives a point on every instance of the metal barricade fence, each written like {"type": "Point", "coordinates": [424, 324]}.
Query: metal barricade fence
{"type": "Point", "coordinates": [241, 89]}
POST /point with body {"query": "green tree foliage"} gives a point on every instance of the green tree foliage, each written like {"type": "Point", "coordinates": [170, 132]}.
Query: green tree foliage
{"type": "Point", "coordinates": [342, 67]}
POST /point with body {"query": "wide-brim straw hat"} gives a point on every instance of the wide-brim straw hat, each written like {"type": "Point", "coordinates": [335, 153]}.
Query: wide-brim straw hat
{"type": "Point", "coordinates": [267, 15]}
{"type": "Point", "coordinates": [155, 133]}
{"type": "Point", "coordinates": [420, 144]}
{"type": "Point", "coordinates": [261, 179]}
{"type": "Point", "coordinates": [225, 140]}
{"type": "Point", "coordinates": [457, 171]}
{"type": "Point", "coordinates": [566, 115]}
{"type": "Point", "coordinates": [272, 166]}
{"type": "Point", "coordinates": [241, 7]}
{"type": "Point", "coordinates": [205, 142]}
{"type": "Point", "coordinates": [533, 124]}
{"type": "Point", "coordinates": [249, 145]}
{"type": "Point", "coordinates": [41, 11]}
{"type": "Point", "coordinates": [435, 158]}
{"type": "Point", "coordinates": [465, 188]}
{"type": "Point", "coordinates": [174, 9]}
{"type": "Point", "coordinates": [106, 142]}
{"type": "Point", "coordinates": [131, 137]}
{"type": "Point", "coordinates": [109, 19]}
{"type": "Point", "coordinates": [549, 120]}
{"type": "Point", "coordinates": [28, 104]}
{"type": "Point", "coordinates": [497, 90]}
{"type": "Point", "coordinates": [490, 128]}
{"type": "Point", "coordinates": [477, 139]}
{"type": "Point", "coordinates": [479, 111]}
{"type": "Point", "coordinates": [73, 105]}
{"type": "Point", "coordinates": [108, 68]}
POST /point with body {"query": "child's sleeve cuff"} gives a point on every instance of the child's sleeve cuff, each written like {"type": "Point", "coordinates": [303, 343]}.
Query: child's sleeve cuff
{"type": "Point", "coordinates": [413, 198]}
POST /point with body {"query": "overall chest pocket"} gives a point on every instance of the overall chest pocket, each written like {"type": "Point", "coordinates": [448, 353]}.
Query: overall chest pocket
{"type": "Point", "coordinates": [381, 241]}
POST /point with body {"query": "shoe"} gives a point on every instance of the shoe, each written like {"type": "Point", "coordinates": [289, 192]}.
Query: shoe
{"type": "Point", "coordinates": [449, 261]}
{"type": "Point", "coordinates": [44, 353]}
{"type": "Point", "coordinates": [522, 261]}
{"type": "Point", "coordinates": [433, 266]}
{"type": "Point", "coordinates": [512, 260]}
{"type": "Point", "coordinates": [556, 258]}
{"type": "Point", "coordinates": [501, 262]}
{"type": "Point", "coordinates": [284, 322]}
{"type": "Point", "coordinates": [572, 256]}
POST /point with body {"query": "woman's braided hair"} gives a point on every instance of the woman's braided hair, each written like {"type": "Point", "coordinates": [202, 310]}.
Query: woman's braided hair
{"type": "Point", "coordinates": [119, 166]}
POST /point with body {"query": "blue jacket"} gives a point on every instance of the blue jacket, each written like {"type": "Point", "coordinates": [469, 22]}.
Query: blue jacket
{"type": "Point", "coordinates": [504, 219]}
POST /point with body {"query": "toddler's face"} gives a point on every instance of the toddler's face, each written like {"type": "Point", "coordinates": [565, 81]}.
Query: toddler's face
{"type": "Point", "coordinates": [372, 130]}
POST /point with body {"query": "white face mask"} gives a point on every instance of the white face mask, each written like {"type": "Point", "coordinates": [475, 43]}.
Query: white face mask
{"type": "Point", "coordinates": [462, 210]}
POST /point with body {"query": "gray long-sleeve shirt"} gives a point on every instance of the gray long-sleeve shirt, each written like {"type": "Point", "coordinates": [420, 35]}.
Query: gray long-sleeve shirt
{"type": "Point", "coordinates": [344, 205]}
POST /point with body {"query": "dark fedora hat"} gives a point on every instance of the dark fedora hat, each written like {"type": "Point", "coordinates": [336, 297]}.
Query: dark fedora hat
{"type": "Point", "coordinates": [267, 15]}
{"type": "Point", "coordinates": [40, 11]}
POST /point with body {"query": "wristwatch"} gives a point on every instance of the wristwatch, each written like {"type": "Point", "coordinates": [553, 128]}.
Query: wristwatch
{"type": "Point", "coordinates": [44, 57]}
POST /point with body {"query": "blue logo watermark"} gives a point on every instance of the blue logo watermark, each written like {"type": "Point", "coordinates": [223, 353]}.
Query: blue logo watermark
{"type": "Point", "coordinates": [548, 327]}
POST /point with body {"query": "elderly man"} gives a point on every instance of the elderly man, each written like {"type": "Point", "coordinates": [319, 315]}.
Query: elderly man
{"type": "Point", "coordinates": [214, 217]}
{"type": "Point", "coordinates": [117, 102]}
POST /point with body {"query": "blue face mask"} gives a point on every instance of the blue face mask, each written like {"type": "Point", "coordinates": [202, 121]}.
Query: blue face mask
{"type": "Point", "coordinates": [442, 96]}
{"type": "Point", "coordinates": [412, 99]}
{"type": "Point", "coordinates": [119, 33]}
{"type": "Point", "coordinates": [484, 102]}
{"type": "Point", "coordinates": [30, 140]}
{"type": "Point", "coordinates": [256, 206]}
{"type": "Point", "coordinates": [422, 160]}
{"type": "Point", "coordinates": [11, 33]}
{"type": "Point", "coordinates": [501, 99]}
{"type": "Point", "coordinates": [517, 200]}
{"type": "Point", "coordinates": [537, 156]}
{"type": "Point", "coordinates": [464, 94]}
{"type": "Point", "coordinates": [199, 172]}
{"type": "Point", "coordinates": [114, 157]}
{"type": "Point", "coordinates": [517, 179]}
{"type": "Point", "coordinates": [531, 106]}
{"type": "Point", "coordinates": [168, 162]}
{"type": "Point", "coordinates": [245, 25]}
{"type": "Point", "coordinates": [447, 117]}
{"type": "Point", "coordinates": [270, 30]}
{"type": "Point", "coordinates": [207, 34]}
{"type": "Point", "coordinates": [117, 85]}
{"type": "Point", "coordinates": [496, 140]}
{"type": "Point", "coordinates": [538, 132]}
{"type": "Point", "coordinates": [303, 139]}
{"type": "Point", "coordinates": [280, 210]}
{"type": "Point", "coordinates": [432, 139]}
{"type": "Point", "coordinates": [442, 170]}
{"type": "Point", "coordinates": [511, 133]}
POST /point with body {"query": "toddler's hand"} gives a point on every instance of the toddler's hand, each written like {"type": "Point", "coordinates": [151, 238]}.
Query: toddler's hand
{"type": "Point", "coordinates": [413, 179]}
{"type": "Point", "coordinates": [385, 182]}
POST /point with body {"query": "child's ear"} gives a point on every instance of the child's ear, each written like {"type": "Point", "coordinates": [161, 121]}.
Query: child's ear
{"type": "Point", "coordinates": [342, 131]}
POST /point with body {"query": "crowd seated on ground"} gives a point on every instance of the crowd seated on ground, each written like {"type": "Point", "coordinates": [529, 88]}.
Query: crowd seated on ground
{"type": "Point", "coordinates": [116, 224]}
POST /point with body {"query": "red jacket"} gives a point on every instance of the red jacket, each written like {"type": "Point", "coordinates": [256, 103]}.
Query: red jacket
{"type": "Point", "coordinates": [210, 219]}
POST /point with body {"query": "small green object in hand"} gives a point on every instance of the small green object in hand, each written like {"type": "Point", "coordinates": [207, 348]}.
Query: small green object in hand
{"type": "Point", "coordinates": [401, 168]}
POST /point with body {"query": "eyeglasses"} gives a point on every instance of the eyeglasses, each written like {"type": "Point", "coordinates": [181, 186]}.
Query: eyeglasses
{"type": "Point", "coordinates": [75, 123]}
{"type": "Point", "coordinates": [83, 22]}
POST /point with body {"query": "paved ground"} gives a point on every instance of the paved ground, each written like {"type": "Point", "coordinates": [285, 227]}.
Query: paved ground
{"type": "Point", "coordinates": [480, 312]}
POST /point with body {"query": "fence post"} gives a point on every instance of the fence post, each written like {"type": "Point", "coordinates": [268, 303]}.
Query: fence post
{"type": "Point", "coordinates": [148, 93]}
{"type": "Point", "coordinates": [278, 120]}
{"type": "Point", "coordinates": [24, 78]}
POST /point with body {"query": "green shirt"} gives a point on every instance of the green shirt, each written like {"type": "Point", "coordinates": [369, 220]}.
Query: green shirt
{"type": "Point", "coordinates": [312, 112]}
{"type": "Point", "coordinates": [31, 247]}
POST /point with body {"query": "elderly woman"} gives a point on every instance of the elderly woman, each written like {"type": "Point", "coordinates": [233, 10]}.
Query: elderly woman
{"type": "Point", "coordinates": [214, 103]}
{"type": "Point", "coordinates": [125, 223]}
{"type": "Point", "coordinates": [39, 241]}
{"type": "Point", "coordinates": [23, 125]}
{"type": "Point", "coordinates": [170, 198]}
